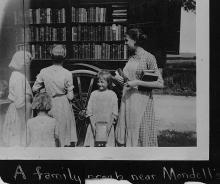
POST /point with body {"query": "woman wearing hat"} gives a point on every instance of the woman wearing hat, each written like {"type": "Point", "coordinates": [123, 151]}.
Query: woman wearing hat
{"type": "Point", "coordinates": [20, 94]}
{"type": "Point", "coordinates": [58, 84]}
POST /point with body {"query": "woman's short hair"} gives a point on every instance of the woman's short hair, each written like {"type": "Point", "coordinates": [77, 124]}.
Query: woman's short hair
{"type": "Point", "coordinates": [20, 59]}
{"type": "Point", "coordinates": [137, 35]}
{"type": "Point", "coordinates": [58, 53]}
{"type": "Point", "coordinates": [42, 102]}
{"type": "Point", "coordinates": [106, 75]}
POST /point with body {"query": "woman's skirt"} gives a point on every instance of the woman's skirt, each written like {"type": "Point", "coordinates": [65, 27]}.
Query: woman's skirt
{"type": "Point", "coordinates": [137, 125]}
{"type": "Point", "coordinates": [63, 113]}
{"type": "Point", "coordinates": [14, 128]}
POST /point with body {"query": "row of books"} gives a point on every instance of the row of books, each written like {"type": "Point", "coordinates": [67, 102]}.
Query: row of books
{"type": "Point", "coordinates": [40, 16]}
{"type": "Point", "coordinates": [90, 14]}
{"type": "Point", "coordinates": [98, 33]}
{"type": "Point", "coordinates": [99, 51]}
{"type": "Point", "coordinates": [79, 51]}
{"type": "Point", "coordinates": [34, 34]}
{"type": "Point", "coordinates": [37, 51]}
{"type": "Point", "coordinates": [79, 33]}
{"type": "Point", "coordinates": [52, 15]}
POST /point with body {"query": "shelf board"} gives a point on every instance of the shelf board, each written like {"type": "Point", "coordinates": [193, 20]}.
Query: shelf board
{"type": "Point", "coordinates": [43, 24]}
{"type": "Point", "coordinates": [85, 60]}
{"type": "Point", "coordinates": [43, 42]}
{"type": "Point", "coordinates": [98, 23]}
{"type": "Point", "coordinates": [67, 42]}
{"type": "Point", "coordinates": [111, 42]}
{"type": "Point", "coordinates": [102, 2]}
{"type": "Point", "coordinates": [72, 23]}
{"type": "Point", "coordinates": [97, 60]}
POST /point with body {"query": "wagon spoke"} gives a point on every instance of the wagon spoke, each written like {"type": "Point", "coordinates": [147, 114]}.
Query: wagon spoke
{"type": "Point", "coordinates": [75, 111]}
{"type": "Point", "coordinates": [75, 107]}
{"type": "Point", "coordinates": [79, 127]}
{"type": "Point", "coordinates": [80, 89]}
{"type": "Point", "coordinates": [84, 82]}
{"type": "Point", "coordinates": [78, 104]}
{"type": "Point", "coordinates": [89, 90]}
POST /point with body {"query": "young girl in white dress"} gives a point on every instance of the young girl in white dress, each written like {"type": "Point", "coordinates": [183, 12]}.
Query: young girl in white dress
{"type": "Point", "coordinates": [20, 95]}
{"type": "Point", "coordinates": [58, 83]}
{"type": "Point", "coordinates": [102, 107]}
{"type": "Point", "coordinates": [42, 130]}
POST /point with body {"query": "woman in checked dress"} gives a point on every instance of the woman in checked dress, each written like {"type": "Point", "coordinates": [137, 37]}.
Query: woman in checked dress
{"type": "Point", "coordinates": [136, 124]}
{"type": "Point", "coordinates": [58, 83]}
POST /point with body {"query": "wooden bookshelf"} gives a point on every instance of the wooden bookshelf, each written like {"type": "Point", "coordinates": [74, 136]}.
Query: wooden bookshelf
{"type": "Point", "coordinates": [90, 30]}
{"type": "Point", "coordinates": [160, 20]}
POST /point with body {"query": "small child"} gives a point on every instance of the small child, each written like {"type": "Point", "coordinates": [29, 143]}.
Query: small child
{"type": "Point", "coordinates": [20, 96]}
{"type": "Point", "coordinates": [42, 130]}
{"type": "Point", "coordinates": [102, 107]}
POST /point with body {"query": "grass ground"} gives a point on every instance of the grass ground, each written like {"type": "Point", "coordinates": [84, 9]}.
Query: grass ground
{"type": "Point", "coordinates": [176, 117]}
{"type": "Point", "coordinates": [172, 138]}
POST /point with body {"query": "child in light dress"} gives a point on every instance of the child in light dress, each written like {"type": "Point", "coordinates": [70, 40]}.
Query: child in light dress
{"type": "Point", "coordinates": [20, 96]}
{"type": "Point", "coordinates": [102, 107]}
{"type": "Point", "coordinates": [42, 130]}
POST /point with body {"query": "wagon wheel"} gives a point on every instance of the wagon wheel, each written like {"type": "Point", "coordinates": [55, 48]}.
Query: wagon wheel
{"type": "Point", "coordinates": [84, 82]}
{"type": "Point", "coordinates": [116, 85]}
{"type": "Point", "coordinates": [88, 66]}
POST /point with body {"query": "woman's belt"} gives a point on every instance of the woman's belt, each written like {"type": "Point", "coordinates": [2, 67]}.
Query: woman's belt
{"type": "Point", "coordinates": [58, 95]}
{"type": "Point", "coordinates": [142, 89]}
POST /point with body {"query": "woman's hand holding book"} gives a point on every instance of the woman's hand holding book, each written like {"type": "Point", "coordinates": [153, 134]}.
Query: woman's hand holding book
{"type": "Point", "coordinates": [118, 77]}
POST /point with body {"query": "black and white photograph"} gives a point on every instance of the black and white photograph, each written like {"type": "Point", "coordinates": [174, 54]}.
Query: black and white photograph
{"type": "Point", "coordinates": [104, 79]}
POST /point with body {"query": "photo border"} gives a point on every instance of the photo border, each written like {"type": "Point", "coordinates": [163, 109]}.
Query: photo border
{"type": "Point", "coordinates": [201, 152]}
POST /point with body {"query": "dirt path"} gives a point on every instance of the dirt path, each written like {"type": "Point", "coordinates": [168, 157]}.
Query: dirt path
{"type": "Point", "coordinates": [176, 112]}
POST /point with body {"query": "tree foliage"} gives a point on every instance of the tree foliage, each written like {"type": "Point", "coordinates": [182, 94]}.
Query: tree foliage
{"type": "Point", "coordinates": [188, 5]}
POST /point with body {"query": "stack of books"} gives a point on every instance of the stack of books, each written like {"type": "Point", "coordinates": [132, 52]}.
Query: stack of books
{"type": "Point", "coordinates": [119, 13]}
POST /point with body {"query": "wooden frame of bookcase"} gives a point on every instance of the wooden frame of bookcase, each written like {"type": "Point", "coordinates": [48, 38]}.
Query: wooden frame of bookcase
{"type": "Point", "coordinates": [69, 43]}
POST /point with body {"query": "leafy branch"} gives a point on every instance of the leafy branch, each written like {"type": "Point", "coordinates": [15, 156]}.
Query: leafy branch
{"type": "Point", "coordinates": [188, 5]}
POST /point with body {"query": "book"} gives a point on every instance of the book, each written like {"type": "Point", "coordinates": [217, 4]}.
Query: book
{"type": "Point", "coordinates": [149, 75]}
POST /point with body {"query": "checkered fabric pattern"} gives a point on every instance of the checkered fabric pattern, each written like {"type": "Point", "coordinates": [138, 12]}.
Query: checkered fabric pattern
{"type": "Point", "coordinates": [148, 128]}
